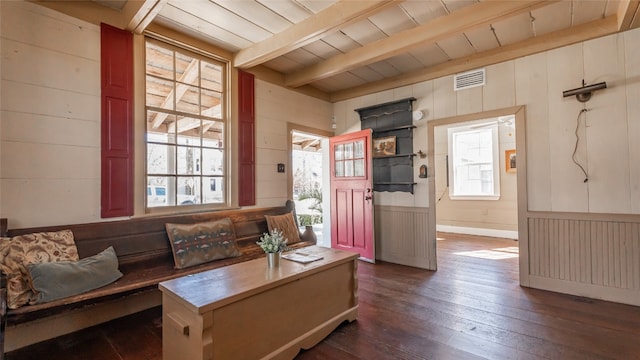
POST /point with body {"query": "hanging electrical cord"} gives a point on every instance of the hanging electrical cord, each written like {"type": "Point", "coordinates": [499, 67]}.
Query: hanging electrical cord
{"type": "Point", "coordinates": [575, 149]}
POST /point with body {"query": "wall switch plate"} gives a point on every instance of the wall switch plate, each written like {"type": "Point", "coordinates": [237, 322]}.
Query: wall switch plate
{"type": "Point", "coordinates": [280, 168]}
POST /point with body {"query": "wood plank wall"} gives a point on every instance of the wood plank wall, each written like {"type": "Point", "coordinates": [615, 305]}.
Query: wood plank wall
{"type": "Point", "coordinates": [402, 236]}
{"type": "Point", "coordinates": [593, 255]}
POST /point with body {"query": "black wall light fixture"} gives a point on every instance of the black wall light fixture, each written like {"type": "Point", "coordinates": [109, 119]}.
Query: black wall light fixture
{"type": "Point", "coordinates": [583, 94]}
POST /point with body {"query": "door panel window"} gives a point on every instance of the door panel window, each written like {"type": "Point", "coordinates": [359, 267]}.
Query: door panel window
{"type": "Point", "coordinates": [349, 159]}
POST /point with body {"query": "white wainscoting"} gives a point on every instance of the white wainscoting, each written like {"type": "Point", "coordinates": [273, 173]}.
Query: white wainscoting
{"type": "Point", "coordinates": [402, 236]}
{"type": "Point", "coordinates": [586, 254]}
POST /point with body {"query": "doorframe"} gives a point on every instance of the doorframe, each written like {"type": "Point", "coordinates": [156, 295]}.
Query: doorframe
{"type": "Point", "coordinates": [521, 151]}
{"type": "Point", "coordinates": [291, 127]}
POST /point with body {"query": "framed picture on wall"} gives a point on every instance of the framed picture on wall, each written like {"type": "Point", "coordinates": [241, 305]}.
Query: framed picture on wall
{"type": "Point", "coordinates": [510, 160]}
{"type": "Point", "coordinates": [384, 146]}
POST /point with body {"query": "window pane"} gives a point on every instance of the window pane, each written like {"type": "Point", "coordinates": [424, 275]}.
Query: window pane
{"type": "Point", "coordinates": [348, 168]}
{"type": "Point", "coordinates": [212, 190]}
{"type": "Point", "coordinates": [160, 159]}
{"type": "Point", "coordinates": [160, 127]}
{"type": "Point", "coordinates": [348, 151]}
{"type": "Point", "coordinates": [358, 169]}
{"type": "Point", "coordinates": [211, 76]}
{"type": "Point", "coordinates": [213, 133]}
{"type": "Point", "coordinates": [160, 191]}
{"type": "Point", "coordinates": [339, 152]}
{"type": "Point", "coordinates": [187, 71]}
{"type": "Point", "coordinates": [212, 162]}
{"type": "Point", "coordinates": [211, 104]}
{"type": "Point", "coordinates": [188, 130]}
{"type": "Point", "coordinates": [339, 168]}
{"type": "Point", "coordinates": [358, 151]}
{"type": "Point", "coordinates": [188, 190]}
{"type": "Point", "coordinates": [188, 160]}
{"type": "Point", "coordinates": [161, 64]}
{"type": "Point", "coordinates": [188, 99]}
{"type": "Point", "coordinates": [160, 93]}
{"type": "Point", "coordinates": [473, 161]}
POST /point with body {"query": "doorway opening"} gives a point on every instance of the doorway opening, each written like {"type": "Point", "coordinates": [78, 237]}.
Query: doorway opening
{"type": "Point", "coordinates": [309, 182]}
{"type": "Point", "coordinates": [478, 182]}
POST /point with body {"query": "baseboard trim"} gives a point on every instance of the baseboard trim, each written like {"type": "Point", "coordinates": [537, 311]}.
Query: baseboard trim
{"type": "Point", "coordinates": [507, 234]}
{"type": "Point", "coordinates": [624, 296]}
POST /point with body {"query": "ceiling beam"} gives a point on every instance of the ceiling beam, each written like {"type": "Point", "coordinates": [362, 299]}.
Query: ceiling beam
{"type": "Point", "coordinates": [628, 13]}
{"type": "Point", "coordinates": [560, 38]}
{"type": "Point", "coordinates": [139, 14]}
{"type": "Point", "coordinates": [327, 21]}
{"type": "Point", "coordinates": [465, 19]}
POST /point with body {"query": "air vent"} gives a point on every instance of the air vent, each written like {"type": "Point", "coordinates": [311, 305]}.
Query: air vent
{"type": "Point", "coordinates": [469, 79]}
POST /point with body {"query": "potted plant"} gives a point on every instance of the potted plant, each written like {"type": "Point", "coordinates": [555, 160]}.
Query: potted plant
{"type": "Point", "coordinates": [273, 243]}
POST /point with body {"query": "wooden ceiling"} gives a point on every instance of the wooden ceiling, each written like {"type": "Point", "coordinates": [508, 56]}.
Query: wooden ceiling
{"type": "Point", "coordinates": [338, 49]}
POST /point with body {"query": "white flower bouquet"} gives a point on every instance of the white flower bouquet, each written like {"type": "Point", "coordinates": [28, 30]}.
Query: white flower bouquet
{"type": "Point", "coordinates": [273, 242]}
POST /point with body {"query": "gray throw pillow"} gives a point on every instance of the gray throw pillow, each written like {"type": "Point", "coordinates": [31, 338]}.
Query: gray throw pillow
{"type": "Point", "coordinates": [56, 280]}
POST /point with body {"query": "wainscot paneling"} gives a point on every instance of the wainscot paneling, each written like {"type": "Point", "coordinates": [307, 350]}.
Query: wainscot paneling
{"type": "Point", "coordinates": [586, 254]}
{"type": "Point", "coordinates": [402, 236]}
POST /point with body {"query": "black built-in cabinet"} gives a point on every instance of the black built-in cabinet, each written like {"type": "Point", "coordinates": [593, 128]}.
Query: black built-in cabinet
{"type": "Point", "coordinates": [392, 172]}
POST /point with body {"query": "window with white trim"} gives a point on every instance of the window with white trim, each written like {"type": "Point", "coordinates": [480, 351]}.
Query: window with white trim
{"type": "Point", "coordinates": [474, 162]}
{"type": "Point", "coordinates": [186, 127]}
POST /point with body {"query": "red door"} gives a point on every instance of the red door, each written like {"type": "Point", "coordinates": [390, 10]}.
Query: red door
{"type": "Point", "coordinates": [352, 194]}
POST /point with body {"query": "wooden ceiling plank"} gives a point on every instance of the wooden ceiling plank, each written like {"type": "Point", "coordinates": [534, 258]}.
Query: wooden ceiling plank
{"type": "Point", "coordinates": [462, 20]}
{"type": "Point", "coordinates": [141, 13]}
{"type": "Point", "coordinates": [312, 29]}
{"type": "Point", "coordinates": [627, 10]}
{"type": "Point", "coordinates": [560, 38]}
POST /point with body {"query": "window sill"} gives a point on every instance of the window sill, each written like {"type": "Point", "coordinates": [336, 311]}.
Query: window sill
{"type": "Point", "coordinates": [475, 197]}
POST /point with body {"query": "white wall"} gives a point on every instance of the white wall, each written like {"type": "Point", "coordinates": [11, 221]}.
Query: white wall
{"type": "Point", "coordinates": [275, 107]}
{"type": "Point", "coordinates": [50, 149]}
{"type": "Point", "coordinates": [608, 145]}
{"type": "Point", "coordinates": [50, 121]}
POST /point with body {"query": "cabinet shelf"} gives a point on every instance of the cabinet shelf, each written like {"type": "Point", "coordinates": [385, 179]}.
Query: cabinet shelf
{"type": "Point", "coordinates": [406, 127]}
{"type": "Point", "coordinates": [394, 156]}
{"type": "Point", "coordinates": [394, 183]}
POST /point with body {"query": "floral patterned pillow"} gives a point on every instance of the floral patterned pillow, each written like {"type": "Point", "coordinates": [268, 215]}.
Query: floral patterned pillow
{"type": "Point", "coordinates": [28, 249]}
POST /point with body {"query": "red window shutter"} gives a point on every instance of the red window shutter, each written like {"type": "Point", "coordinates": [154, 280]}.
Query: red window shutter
{"type": "Point", "coordinates": [246, 140]}
{"type": "Point", "coordinates": [116, 47]}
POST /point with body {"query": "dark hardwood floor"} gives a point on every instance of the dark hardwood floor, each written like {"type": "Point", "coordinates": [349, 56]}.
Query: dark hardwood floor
{"type": "Point", "coordinates": [471, 308]}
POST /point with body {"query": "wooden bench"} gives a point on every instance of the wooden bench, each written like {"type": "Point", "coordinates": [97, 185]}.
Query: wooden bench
{"type": "Point", "coordinates": [145, 259]}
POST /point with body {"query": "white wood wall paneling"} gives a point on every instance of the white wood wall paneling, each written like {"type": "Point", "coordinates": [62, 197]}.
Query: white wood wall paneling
{"type": "Point", "coordinates": [444, 98]}
{"type": "Point", "coordinates": [632, 68]}
{"type": "Point", "coordinates": [499, 91]}
{"type": "Point", "coordinates": [35, 25]}
{"type": "Point", "coordinates": [531, 82]}
{"type": "Point", "coordinates": [469, 101]}
{"type": "Point", "coordinates": [606, 130]}
{"type": "Point", "coordinates": [565, 71]}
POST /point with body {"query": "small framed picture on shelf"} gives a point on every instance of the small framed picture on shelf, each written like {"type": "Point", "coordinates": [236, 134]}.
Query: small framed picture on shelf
{"type": "Point", "coordinates": [510, 160]}
{"type": "Point", "coordinates": [385, 146]}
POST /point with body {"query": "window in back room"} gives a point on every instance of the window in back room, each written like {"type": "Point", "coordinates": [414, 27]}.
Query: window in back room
{"type": "Point", "coordinates": [186, 127]}
{"type": "Point", "coordinates": [473, 162]}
